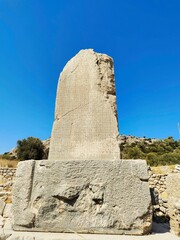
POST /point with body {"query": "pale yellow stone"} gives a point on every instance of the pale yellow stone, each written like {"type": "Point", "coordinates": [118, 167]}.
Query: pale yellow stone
{"type": "Point", "coordinates": [85, 126]}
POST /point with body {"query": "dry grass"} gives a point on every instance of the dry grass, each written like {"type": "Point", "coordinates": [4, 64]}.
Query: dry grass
{"type": "Point", "coordinates": [163, 169]}
{"type": "Point", "coordinates": [8, 163]}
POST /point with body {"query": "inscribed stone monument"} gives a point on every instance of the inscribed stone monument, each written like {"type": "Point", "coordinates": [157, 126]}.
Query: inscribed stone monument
{"type": "Point", "coordinates": [84, 187]}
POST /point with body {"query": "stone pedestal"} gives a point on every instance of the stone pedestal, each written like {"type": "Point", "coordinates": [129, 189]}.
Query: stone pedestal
{"type": "Point", "coordinates": [108, 197]}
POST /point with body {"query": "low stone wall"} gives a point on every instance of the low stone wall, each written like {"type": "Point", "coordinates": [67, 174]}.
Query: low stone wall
{"type": "Point", "coordinates": [158, 189]}
{"type": "Point", "coordinates": [7, 176]}
{"type": "Point", "coordinates": [160, 195]}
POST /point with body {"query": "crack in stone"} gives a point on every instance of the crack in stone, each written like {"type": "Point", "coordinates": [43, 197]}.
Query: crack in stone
{"type": "Point", "coordinates": [75, 68]}
{"type": "Point", "coordinates": [32, 179]}
{"type": "Point", "coordinates": [78, 107]}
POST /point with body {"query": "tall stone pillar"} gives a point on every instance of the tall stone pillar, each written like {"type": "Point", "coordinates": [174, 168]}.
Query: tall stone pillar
{"type": "Point", "coordinates": [85, 125]}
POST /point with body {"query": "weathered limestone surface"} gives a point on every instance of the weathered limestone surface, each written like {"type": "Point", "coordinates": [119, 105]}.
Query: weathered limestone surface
{"type": "Point", "coordinates": [85, 126]}
{"type": "Point", "coordinates": [82, 196]}
{"type": "Point", "coordinates": [173, 190]}
{"type": "Point", "coordinates": [84, 187]}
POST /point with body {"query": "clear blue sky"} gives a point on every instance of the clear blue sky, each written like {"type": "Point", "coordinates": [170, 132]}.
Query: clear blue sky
{"type": "Point", "coordinates": [38, 37]}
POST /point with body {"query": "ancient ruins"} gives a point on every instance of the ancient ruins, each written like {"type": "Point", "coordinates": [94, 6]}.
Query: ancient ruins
{"type": "Point", "coordinates": [84, 186]}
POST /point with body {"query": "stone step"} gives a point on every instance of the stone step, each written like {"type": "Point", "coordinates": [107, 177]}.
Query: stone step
{"type": "Point", "coordinates": [66, 236]}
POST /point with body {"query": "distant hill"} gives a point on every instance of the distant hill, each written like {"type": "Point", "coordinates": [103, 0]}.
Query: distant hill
{"type": "Point", "coordinates": [128, 139]}
{"type": "Point", "coordinates": [155, 151]}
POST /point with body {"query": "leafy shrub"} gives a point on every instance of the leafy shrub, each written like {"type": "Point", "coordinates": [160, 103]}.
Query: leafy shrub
{"type": "Point", "coordinates": [134, 153]}
{"type": "Point", "coordinates": [30, 148]}
{"type": "Point", "coordinates": [152, 159]}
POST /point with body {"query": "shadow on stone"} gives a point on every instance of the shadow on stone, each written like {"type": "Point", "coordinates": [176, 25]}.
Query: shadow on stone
{"type": "Point", "coordinates": [160, 227]}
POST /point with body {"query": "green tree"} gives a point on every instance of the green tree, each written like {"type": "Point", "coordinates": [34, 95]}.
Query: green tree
{"type": "Point", "coordinates": [152, 159]}
{"type": "Point", "coordinates": [170, 142]}
{"type": "Point", "coordinates": [134, 153]}
{"type": "Point", "coordinates": [30, 148]}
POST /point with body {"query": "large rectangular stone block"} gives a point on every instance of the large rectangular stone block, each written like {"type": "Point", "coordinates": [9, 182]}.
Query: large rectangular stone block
{"type": "Point", "coordinates": [110, 196]}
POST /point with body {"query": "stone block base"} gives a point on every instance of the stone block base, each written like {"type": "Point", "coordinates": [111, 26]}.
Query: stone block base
{"type": "Point", "coordinates": [108, 197]}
